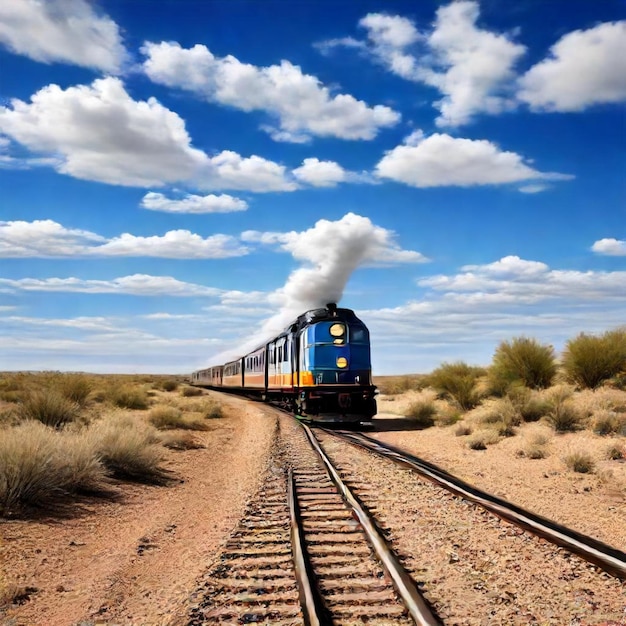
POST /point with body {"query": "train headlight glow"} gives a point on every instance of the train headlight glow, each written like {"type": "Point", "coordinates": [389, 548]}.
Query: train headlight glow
{"type": "Point", "coordinates": [342, 362]}
{"type": "Point", "coordinates": [337, 330]}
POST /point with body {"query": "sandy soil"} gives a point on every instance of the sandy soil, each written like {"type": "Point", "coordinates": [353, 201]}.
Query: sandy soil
{"type": "Point", "coordinates": [136, 561]}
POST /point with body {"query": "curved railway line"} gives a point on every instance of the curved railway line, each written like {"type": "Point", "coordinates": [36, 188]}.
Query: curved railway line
{"type": "Point", "coordinates": [308, 551]}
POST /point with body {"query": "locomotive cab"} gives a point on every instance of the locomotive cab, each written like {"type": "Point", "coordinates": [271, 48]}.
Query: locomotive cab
{"type": "Point", "coordinates": [334, 366]}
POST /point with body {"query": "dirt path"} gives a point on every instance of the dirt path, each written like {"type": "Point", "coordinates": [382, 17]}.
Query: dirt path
{"type": "Point", "coordinates": [135, 561]}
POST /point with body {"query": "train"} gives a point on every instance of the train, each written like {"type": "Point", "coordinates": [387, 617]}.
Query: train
{"type": "Point", "coordinates": [319, 368]}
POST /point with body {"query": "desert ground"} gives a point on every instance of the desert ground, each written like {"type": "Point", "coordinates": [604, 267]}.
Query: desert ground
{"type": "Point", "coordinates": [132, 556]}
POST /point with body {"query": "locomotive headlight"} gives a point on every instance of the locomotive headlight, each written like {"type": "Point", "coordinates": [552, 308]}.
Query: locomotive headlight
{"type": "Point", "coordinates": [342, 362]}
{"type": "Point", "coordinates": [337, 330]}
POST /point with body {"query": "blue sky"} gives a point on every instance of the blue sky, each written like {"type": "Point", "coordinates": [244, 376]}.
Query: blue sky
{"type": "Point", "coordinates": [179, 179]}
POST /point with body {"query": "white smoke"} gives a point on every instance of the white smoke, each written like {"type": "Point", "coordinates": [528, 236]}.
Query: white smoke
{"type": "Point", "coordinates": [330, 252]}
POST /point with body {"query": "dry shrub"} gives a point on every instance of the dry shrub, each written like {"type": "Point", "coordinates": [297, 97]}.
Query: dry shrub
{"type": "Point", "coordinates": [422, 413]}
{"type": "Point", "coordinates": [180, 441]}
{"type": "Point", "coordinates": [213, 411]}
{"type": "Point", "coordinates": [523, 360]}
{"type": "Point", "coordinates": [129, 397]}
{"type": "Point", "coordinates": [190, 392]}
{"type": "Point", "coordinates": [607, 423]}
{"type": "Point", "coordinates": [169, 385]}
{"type": "Point", "coordinates": [615, 452]}
{"type": "Point", "coordinates": [49, 407]}
{"type": "Point", "coordinates": [564, 415]}
{"type": "Point", "coordinates": [462, 430]}
{"type": "Point", "coordinates": [579, 461]}
{"type": "Point", "coordinates": [534, 409]}
{"type": "Point", "coordinates": [166, 417]}
{"type": "Point", "coordinates": [482, 438]}
{"type": "Point", "coordinates": [590, 360]}
{"type": "Point", "coordinates": [75, 387]}
{"type": "Point", "coordinates": [536, 446]}
{"type": "Point", "coordinates": [41, 467]}
{"type": "Point", "coordinates": [458, 382]}
{"type": "Point", "coordinates": [129, 450]}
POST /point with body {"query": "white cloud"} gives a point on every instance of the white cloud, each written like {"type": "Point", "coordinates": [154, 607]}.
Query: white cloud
{"type": "Point", "coordinates": [136, 285]}
{"type": "Point", "coordinates": [471, 67]}
{"type": "Point", "coordinates": [521, 281]}
{"type": "Point", "coordinates": [67, 31]}
{"type": "Point", "coordinates": [535, 188]}
{"type": "Point", "coordinates": [45, 238]}
{"type": "Point", "coordinates": [610, 247]}
{"type": "Point", "coordinates": [102, 134]}
{"type": "Point", "coordinates": [442, 160]}
{"type": "Point", "coordinates": [585, 67]}
{"type": "Point", "coordinates": [320, 173]}
{"type": "Point", "coordinates": [175, 244]}
{"type": "Point", "coordinates": [193, 204]}
{"type": "Point", "coordinates": [229, 170]}
{"type": "Point", "coordinates": [301, 104]}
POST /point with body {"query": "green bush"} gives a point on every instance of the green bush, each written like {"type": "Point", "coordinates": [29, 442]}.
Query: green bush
{"type": "Point", "coordinates": [523, 360]}
{"type": "Point", "coordinates": [589, 360]}
{"type": "Point", "coordinates": [458, 382]}
{"type": "Point", "coordinates": [49, 407]}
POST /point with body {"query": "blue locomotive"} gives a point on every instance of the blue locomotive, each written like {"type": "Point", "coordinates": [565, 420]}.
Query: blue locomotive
{"type": "Point", "coordinates": [319, 367]}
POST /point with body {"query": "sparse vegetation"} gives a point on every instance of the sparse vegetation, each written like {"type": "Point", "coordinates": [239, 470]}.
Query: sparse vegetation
{"type": "Point", "coordinates": [422, 413]}
{"type": "Point", "coordinates": [180, 441]}
{"type": "Point", "coordinates": [75, 387]}
{"type": "Point", "coordinates": [564, 415]}
{"type": "Point", "coordinates": [523, 360]}
{"type": "Point", "coordinates": [213, 411]}
{"type": "Point", "coordinates": [129, 450]}
{"type": "Point", "coordinates": [129, 397]}
{"type": "Point", "coordinates": [190, 392]}
{"type": "Point", "coordinates": [482, 438]}
{"type": "Point", "coordinates": [607, 422]}
{"type": "Point", "coordinates": [615, 452]}
{"type": "Point", "coordinates": [462, 430]}
{"type": "Point", "coordinates": [166, 417]}
{"type": "Point", "coordinates": [48, 407]}
{"type": "Point", "coordinates": [579, 461]}
{"type": "Point", "coordinates": [394, 385]}
{"type": "Point", "coordinates": [590, 360]}
{"type": "Point", "coordinates": [458, 382]}
{"type": "Point", "coordinates": [169, 385]}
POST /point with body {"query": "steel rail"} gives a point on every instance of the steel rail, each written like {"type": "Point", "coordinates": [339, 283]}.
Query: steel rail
{"type": "Point", "coordinates": [611, 560]}
{"type": "Point", "coordinates": [416, 605]}
{"type": "Point", "coordinates": [313, 609]}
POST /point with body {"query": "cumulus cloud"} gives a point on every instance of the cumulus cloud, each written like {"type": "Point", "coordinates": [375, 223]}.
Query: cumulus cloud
{"type": "Point", "coordinates": [43, 238]}
{"type": "Point", "coordinates": [302, 106]}
{"type": "Point", "coordinates": [442, 160]}
{"type": "Point", "coordinates": [471, 67]}
{"type": "Point", "coordinates": [585, 67]}
{"type": "Point", "coordinates": [66, 31]}
{"type": "Point", "coordinates": [320, 173]}
{"type": "Point", "coordinates": [229, 170]}
{"type": "Point", "coordinates": [100, 133]}
{"type": "Point", "coordinates": [193, 204]}
{"type": "Point", "coordinates": [46, 238]}
{"type": "Point", "coordinates": [610, 247]}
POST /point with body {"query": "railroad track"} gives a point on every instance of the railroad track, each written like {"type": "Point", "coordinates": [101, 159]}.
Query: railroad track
{"type": "Point", "coordinates": [307, 552]}
{"type": "Point", "coordinates": [609, 559]}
